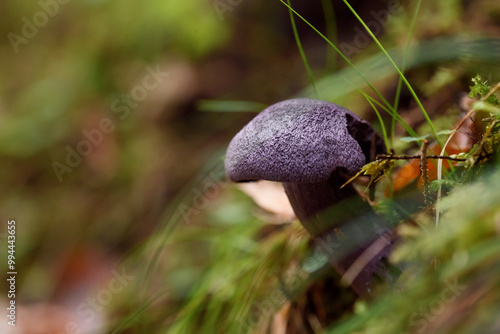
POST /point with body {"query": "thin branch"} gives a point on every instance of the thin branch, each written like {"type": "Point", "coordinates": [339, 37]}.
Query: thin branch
{"type": "Point", "coordinates": [440, 162]}
{"type": "Point", "coordinates": [366, 257]}
{"type": "Point", "coordinates": [409, 157]}
{"type": "Point", "coordinates": [423, 168]}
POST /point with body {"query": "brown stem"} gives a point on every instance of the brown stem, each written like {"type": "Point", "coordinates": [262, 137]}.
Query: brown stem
{"type": "Point", "coordinates": [342, 225]}
{"type": "Point", "coordinates": [423, 168]}
{"type": "Point", "coordinates": [409, 157]}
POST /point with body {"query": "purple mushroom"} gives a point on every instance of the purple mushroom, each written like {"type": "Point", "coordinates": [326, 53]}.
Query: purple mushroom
{"type": "Point", "coordinates": [314, 147]}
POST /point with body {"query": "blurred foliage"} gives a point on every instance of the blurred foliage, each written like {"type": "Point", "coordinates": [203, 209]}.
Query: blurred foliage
{"type": "Point", "coordinates": [151, 197]}
{"type": "Point", "coordinates": [453, 286]}
{"type": "Point", "coordinates": [481, 90]}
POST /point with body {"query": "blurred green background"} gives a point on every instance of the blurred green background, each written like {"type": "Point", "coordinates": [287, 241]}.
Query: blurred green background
{"type": "Point", "coordinates": [98, 155]}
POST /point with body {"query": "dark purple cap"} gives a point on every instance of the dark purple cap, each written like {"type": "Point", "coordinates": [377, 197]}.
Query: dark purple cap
{"type": "Point", "coordinates": [300, 141]}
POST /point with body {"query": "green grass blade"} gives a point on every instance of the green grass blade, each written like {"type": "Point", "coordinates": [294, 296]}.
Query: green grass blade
{"type": "Point", "coordinates": [170, 220]}
{"type": "Point", "coordinates": [410, 88]}
{"type": "Point", "coordinates": [405, 59]}
{"type": "Point", "coordinates": [331, 33]}
{"type": "Point", "coordinates": [127, 322]}
{"type": "Point", "coordinates": [389, 111]}
{"type": "Point", "coordinates": [382, 126]}
{"type": "Point", "coordinates": [301, 50]}
{"type": "Point", "coordinates": [445, 50]}
{"type": "Point", "coordinates": [341, 54]}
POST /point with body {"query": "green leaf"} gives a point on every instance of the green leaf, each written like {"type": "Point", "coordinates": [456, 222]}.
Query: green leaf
{"type": "Point", "coordinates": [487, 107]}
{"type": "Point", "coordinates": [481, 89]}
{"type": "Point", "coordinates": [375, 169]}
{"type": "Point", "coordinates": [443, 182]}
{"type": "Point", "coordinates": [412, 139]}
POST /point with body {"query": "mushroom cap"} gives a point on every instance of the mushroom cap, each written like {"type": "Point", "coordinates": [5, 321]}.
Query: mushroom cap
{"type": "Point", "coordinates": [301, 141]}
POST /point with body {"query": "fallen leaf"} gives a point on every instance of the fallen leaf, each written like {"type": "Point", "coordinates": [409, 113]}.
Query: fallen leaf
{"type": "Point", "coordinates": [271, 197]}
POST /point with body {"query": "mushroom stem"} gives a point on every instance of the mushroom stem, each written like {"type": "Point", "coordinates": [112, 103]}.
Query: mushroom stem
{"type": "Point", "coordinates": [311, 146]}
{"type": "Point", "coordinates": [343, 226]}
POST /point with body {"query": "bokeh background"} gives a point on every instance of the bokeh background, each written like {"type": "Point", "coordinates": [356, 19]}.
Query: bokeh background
{"type": "Point", "coordinates": [143, 222]}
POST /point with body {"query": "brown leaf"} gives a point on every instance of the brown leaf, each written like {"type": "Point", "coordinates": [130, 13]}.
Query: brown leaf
{"type": "Point", "coordinates": [271, 197]}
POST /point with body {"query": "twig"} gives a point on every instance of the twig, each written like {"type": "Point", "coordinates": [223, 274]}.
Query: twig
{"type": "Point", "coordinates": [409, 157]}
{"type": "Point", "coordinates": [423, 168]}
{"type": "Point", "coordinates": [493, 90]}
{"type": "Point", "coordinates": [365, 258]}
{"type": "Point", "coordinates": [440, 162]}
